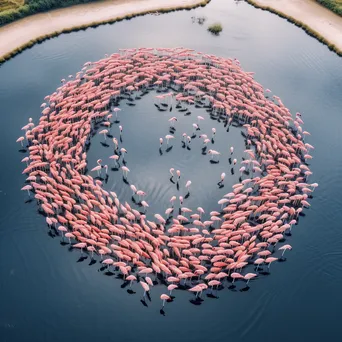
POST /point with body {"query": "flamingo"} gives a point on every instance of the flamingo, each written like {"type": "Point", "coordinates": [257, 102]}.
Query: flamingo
{"type": "Point", "coordinates": [123, 151]}
{"type": "Point", "coordinates": [249, 276]}
{"type": "Point", "coordinates": [134, 189]}
{"type": "Point", "coordinates": [21, 139]}
{"type": "Point", "coordinates": [116, 111]}
{"type": "Point", "coordinates": [171, 287]}
{"type": "Point", "coordinates": [27, 188]}
{"type": "Point", "coordinates": [223, 176]}
{"type": "Point", "coordinates": [255, 215]}
{"type": "Point", "coordinates": [172, 121]}
{"type": "Point", "coordinates": [140, 193]}
{"type": "Point", "coordinates": [145, 287]}
{"type": "Point", "coordinates": [98, 169]}
{"type": "Point", "coordinates": [80, 245]}
{"type": "Point", "coordinates": [69, 236]}
{"type": "Point", "coordinates": [116, 144]}
{"type": "Point", "coordinates": [178, 174]}
{"type": "Point", "coordinates": [187, 185]}
{"type": "Point", "coordinates": [199, 118]}
{"type": "Point", "coordinates": [104, 132]}
{"type": "Point", "coordinates": [144, 204]}
{"type": "Point", "coordinates": [168, 211]}
{"type": "Point", "coordinates": [171, 172]}
{"type": "Point", "coordinates": [168, 137]}
{"type": "Point", "coordinates": [164, 297]}
{"type": "Point", "coordinates": [125, 171]}
{"type": "Point", "coordinates": [115, 158]}
{"type": "Point", "coordinates": [213, 153]}
{"type": "Point", "coordinates": [206, 141]}
{"type": "Point", "coordinates": [284, 249]}
{"type": "Point", "coordinates": [270, 260]}
{"type": "Point", "coordinates": [173, 198]}
{"type": "Point", "coordinates": [131, 278]}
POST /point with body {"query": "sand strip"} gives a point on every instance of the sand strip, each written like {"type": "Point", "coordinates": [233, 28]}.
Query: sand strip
{"type": "Point", "coordinates": [21, 32]}
{"type": "Point", "coordinates": [310, 13]}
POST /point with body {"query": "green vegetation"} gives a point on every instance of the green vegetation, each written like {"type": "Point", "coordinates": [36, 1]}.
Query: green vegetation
{"type": "Point", "coordinates": [215, 28]}
{"type": "Point", "coordinates": [9, 5]}
{"type": "Point", "coordinates": [11, 10]}
{"type": "Point", "coordinates": [42, 38]}
{"type": "Point", "coordinates": [298, 23]}
{"type": "Point", "coordinates": [333, 5]}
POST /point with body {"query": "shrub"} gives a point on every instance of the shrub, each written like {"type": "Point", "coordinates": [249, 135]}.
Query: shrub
{"type": "Point", "coordinates": [215, 28]}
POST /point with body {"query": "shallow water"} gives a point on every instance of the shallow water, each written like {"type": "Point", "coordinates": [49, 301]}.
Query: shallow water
{"type": "Point", "coordinates": [47, 296]}
{"type": "Point", "coordinates": [149, 166]}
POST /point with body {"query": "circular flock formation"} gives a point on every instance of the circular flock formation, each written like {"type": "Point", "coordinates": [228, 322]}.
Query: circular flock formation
{"type": "Point", "coordinates": [183, 252]}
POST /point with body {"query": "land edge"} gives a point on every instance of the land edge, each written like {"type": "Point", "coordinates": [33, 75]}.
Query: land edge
{"type": "Point", "coordinates": [93, 24]}
{"type": "Point", "coordinates": [311, 32]}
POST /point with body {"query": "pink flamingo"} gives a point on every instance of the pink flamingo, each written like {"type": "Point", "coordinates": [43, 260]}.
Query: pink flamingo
{"type": "Point", "coordinates": [27, 188]}
{"type": "Point", "coordinates": [164, 297]}
{"type": "Point", "coordinates": [104, 132]}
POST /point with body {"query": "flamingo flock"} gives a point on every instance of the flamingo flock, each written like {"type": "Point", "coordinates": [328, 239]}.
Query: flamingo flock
{"type": "Point", "coordinates": [184, 252]}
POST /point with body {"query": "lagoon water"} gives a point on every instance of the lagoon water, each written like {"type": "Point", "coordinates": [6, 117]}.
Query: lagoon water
{"type": "Point", "coordinates": [46, 295]}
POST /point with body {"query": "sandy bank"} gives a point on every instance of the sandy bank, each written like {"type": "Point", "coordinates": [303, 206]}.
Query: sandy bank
{"type": "Point", "coordinates": [326, 24]}
{"type": "Point", "coordinates": [23, 33]}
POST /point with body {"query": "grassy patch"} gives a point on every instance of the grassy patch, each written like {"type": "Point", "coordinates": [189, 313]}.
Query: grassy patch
{"type": "Point", "coordinates": [9, 5]}
{"type": "Point", "coordinates": [11, 10]}
{"type": "Point", "coordinates": [333, 5]}
{"type": "Point", "coordinates": [215, 28]}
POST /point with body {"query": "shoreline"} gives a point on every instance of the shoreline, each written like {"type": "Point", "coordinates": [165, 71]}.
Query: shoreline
{"type": "Point", "coordinates": [313, 18]}
{"type": "Point", "coordinates": [24, 33]}
{"type": "Point", "coordinates": [316, 20]}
